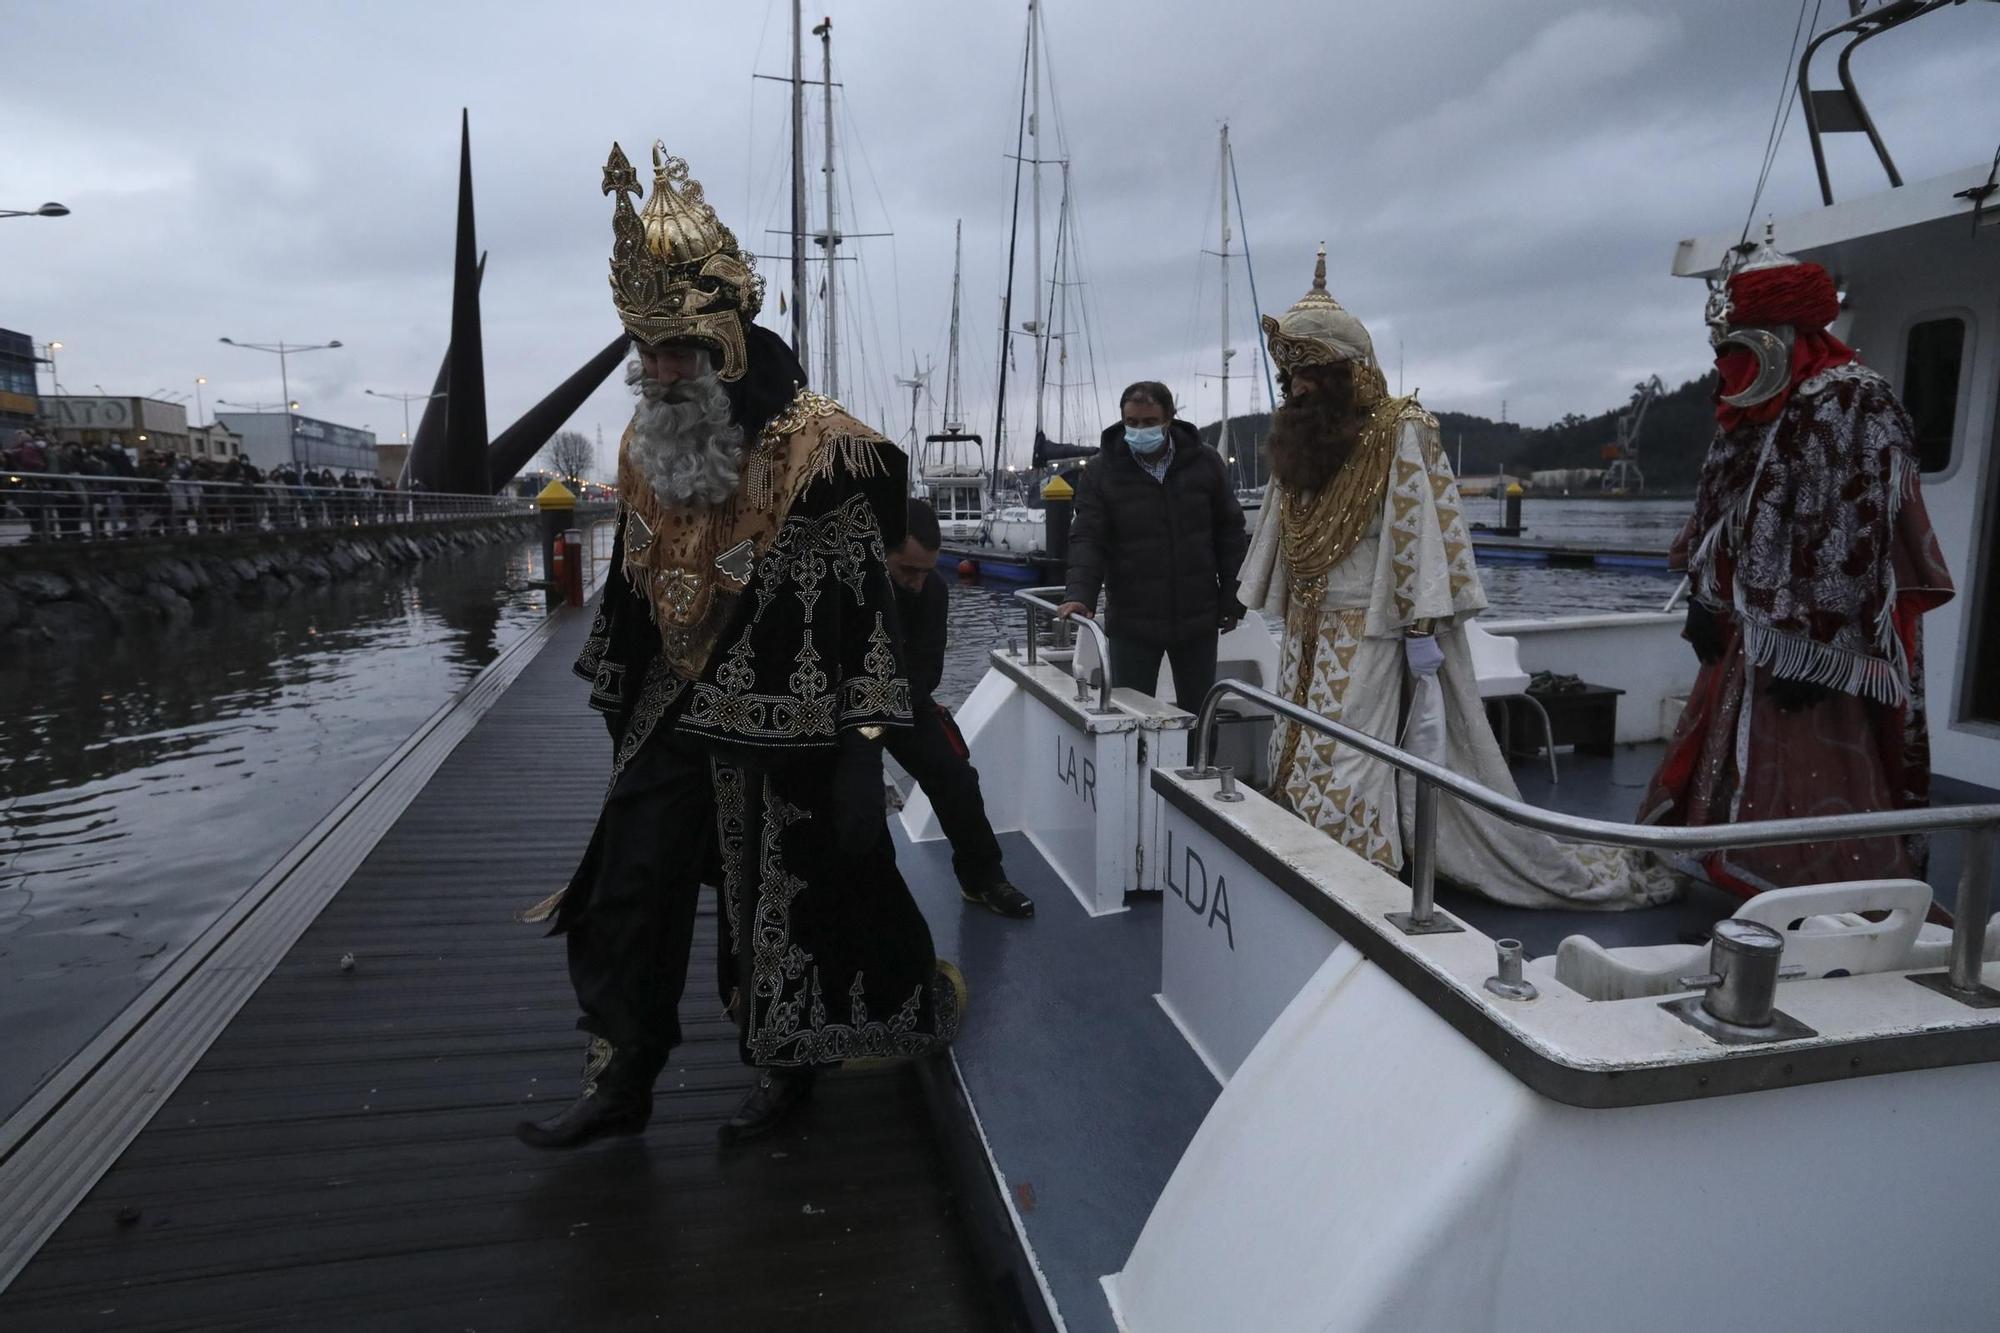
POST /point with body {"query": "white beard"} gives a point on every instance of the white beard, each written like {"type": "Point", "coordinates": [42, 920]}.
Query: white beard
{"type": "Point", "coordinates": [683, 441]}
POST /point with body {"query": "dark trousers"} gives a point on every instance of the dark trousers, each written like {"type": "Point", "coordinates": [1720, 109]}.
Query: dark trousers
{"type": "Point", "coordinates": [628, 947]}
{"type": "Point", "coordinates": [935, 755]}
{"type": "Point", "coordinates": [1135, 665]}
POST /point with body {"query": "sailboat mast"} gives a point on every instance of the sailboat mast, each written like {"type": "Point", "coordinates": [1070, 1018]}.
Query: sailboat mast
{"type": "Point", "coordinates": [1058, 344]}
{"type": "Point", "coordinates": [1222, 433]}
{"type": "Point", "coordinates": [798, 187]}
{"type": "Point", "coordinates": [1007, 297]}
{"type": "Point", "coordinates": [952, 424]}
{"type": "Point", "coordinates": [1035, 134]}
{"type": "Point", "coordinates": [824, 31]}
{"type": "Point", "coordinates": [1254, 466]}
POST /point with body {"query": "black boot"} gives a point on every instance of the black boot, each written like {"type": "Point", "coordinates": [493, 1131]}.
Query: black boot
{"type": "Point", "coordinates": [617, 1098]}
{"type": "Point", "coordinates": [1001, 897]}
{"type": "Point", "coordinates": [779, 1092]}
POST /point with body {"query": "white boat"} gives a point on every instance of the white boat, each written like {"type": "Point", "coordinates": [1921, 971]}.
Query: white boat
{"type": "Point", "coordinates": [1015, 528]}
{"type": "Point", "coordinates": [1234, 1077]}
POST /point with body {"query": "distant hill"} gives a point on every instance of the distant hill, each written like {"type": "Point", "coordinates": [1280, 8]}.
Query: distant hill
{"type": "Point", "coordinates": [1672, 439]}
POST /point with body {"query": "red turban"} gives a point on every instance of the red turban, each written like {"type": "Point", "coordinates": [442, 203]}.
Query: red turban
{"type": "Point", "coordinates": [1801, 295]}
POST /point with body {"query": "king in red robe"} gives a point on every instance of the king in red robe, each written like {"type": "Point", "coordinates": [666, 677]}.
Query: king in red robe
{"type": "Point", "coordinates": [1811, 563]}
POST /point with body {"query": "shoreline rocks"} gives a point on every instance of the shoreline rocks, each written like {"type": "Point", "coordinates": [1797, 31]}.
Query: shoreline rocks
{"type": "Point", "coordinates": [101, 590]}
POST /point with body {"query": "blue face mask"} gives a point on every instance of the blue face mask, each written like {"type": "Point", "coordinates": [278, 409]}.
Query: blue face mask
{"type": "Point", "coordinates": [1145, 439]}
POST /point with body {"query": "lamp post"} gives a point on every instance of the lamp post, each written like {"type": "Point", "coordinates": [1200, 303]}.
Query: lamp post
{"type": "Point", "coordinates": [406, 399]}
{"type": "Point", "coordinates": [282, 350]}
{"type": "Point", "coordinates": [55, 383]}
{"type": "Point", "coordinates": [199, 410]}
{"type": "Point", "coordinates": [50, 210]}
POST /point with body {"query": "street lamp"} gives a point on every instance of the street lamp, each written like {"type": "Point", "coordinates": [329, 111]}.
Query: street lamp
{"type": "Point", "coordinates": [51, 210]}
{"type": "Point", "coordinates": [199, 410]}
{"type": "Point", "coordinates": [282, 350]}
{"type": "Point", "coordinates": [55, 383]}
{"type": "Point", "coordinates": [406, 399]}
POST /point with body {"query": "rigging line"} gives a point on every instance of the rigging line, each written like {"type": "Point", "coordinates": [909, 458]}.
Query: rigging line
{"type": "Point", "coordinates": [1780, 115]}
{"type": "Point", "coordinates": [750, 139]}
{"type": "Point", "coordinates": [860, 144]}
{"type": "Point", "coordinates": [1079, 261]}
{"type": "Point", "coordinates": [1256, 306]}
{"type": "Point", "coordinates": [1057, 292]}
{"type": "Point", "coordinates": [1190, 376]}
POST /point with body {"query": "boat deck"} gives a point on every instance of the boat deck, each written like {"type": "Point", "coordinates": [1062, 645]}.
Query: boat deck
{"type": "Point", "coordinates": [1086, 1095]}
{"type": "Point", "coordinates": [341, 1157]}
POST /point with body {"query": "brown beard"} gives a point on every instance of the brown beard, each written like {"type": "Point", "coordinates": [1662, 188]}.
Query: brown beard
{"type": "Point", "coordinates": [1312, 436]}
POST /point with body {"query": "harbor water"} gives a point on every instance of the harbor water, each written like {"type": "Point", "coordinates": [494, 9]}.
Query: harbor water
{"type": "Point", "coordinates": [145, 786]}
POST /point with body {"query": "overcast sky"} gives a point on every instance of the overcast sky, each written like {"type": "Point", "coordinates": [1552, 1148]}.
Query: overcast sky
{"type": "Point", "coordinates": [1501, 185]}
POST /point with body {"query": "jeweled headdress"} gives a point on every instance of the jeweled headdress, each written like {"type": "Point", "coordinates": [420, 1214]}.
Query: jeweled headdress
{"type": "Point", "coordinates": [1317, 330]}
{"type": "Point", "coordinates": [677, 274]}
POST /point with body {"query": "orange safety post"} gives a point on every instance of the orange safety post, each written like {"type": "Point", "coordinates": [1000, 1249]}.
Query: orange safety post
{"type": "Point", "coordinates": [573, 566]}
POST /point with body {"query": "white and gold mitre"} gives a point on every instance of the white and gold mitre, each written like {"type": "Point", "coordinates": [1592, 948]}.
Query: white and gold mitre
{"type": "Point", "coordinates": [1317, 330]}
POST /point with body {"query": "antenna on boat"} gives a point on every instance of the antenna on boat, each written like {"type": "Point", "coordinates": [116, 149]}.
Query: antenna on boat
{"type": "Point", "coordinates": [952, 402]}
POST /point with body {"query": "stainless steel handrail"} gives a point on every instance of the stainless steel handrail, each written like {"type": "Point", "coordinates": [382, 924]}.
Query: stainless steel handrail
{"type": "Point", "coordinates": [61, 506]}
{"type": "Point", "coordinates": [1981, 822]}
{"type": "Point", "coordinates": [1036, 601]}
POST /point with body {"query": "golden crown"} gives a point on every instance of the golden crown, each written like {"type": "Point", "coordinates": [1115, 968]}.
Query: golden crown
{"type": "Point", "coordinates": [677, 274]}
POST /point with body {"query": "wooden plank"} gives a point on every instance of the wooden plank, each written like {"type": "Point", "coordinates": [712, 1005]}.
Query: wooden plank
{"type": "Point", "coordinates": [342, 1155]}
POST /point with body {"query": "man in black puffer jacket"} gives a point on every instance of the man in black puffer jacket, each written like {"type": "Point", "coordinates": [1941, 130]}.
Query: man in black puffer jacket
{"type": "Point", "coordinates": [1158, 530]}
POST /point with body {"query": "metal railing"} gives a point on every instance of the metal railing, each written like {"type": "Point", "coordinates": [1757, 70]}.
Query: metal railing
{"type": "Point", "coordinates": [1038, 606]}
{"type": "Point", "coordinates": [1980, 822]}
{"type": "Point", "coordinates": [58, 507]}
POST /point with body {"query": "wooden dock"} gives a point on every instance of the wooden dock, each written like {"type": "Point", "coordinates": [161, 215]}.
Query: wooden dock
{"type": "Point", "coordinates": [341, 1155]}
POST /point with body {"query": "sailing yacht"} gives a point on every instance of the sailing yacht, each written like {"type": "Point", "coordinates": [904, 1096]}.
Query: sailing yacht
{"type": "Point", "coordinates": [950, 465]}
{"type": "Point", "coordinates": [1239, 1078]}
{"type": "Point", "coordinates": [1058, 321]}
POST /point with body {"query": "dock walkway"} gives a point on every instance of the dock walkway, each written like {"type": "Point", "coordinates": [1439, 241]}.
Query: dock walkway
{"type": "Point", "coordinates": [341, 1157]}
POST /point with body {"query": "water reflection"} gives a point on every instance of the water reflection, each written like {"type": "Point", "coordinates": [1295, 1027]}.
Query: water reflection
{"type": "Point", "coordinates": [144, 785]}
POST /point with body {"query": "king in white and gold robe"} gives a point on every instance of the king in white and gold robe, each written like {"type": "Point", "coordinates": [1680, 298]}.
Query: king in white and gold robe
{"type": "Point", "coordinates": [1409, 562]}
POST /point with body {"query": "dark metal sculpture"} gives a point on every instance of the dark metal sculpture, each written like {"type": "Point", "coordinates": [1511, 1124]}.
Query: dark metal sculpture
{"type": "Point", "coordinates": [465, 405]}
{"type": "Point", "coordinates": [451, 451]}
{"type": "Point", "coordinates": [520, 442]}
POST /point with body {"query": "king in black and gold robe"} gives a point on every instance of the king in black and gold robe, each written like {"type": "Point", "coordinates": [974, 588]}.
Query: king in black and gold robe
{"type": "Point", "coordinates": [748, 649]}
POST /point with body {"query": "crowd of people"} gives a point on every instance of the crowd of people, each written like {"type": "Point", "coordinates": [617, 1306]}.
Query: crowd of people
{"type": "Point", "coordinates": [64, 490]}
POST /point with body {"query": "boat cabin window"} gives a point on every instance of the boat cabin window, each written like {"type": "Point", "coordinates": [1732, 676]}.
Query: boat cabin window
{"type": "Point", "coordinates": [957, 503]}
{"type": "Point", "coordinates": [1930, 387]}
{"type": "Point", "coordinates": [1982, 681]}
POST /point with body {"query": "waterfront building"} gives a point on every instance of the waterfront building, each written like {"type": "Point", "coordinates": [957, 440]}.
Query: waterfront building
{"type": "Point", "coordinates": [1558, 479]}
{"type": "Point", "coordinates": [215, 441]}
{"type": "Point", "coordinates": [1476, 487]}
{"type": "Point", "coordinates": [20, 401]}
{"type": "Point", "coordinates": [277, 439]}
{"type": "Point", "coordinates": [134, 423]}
{"type": "Point", "coordinates": [390, 460]}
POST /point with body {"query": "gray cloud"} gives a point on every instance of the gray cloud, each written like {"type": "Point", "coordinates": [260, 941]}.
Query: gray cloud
{"type": "Point", "coordinates": [1501, 185]}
